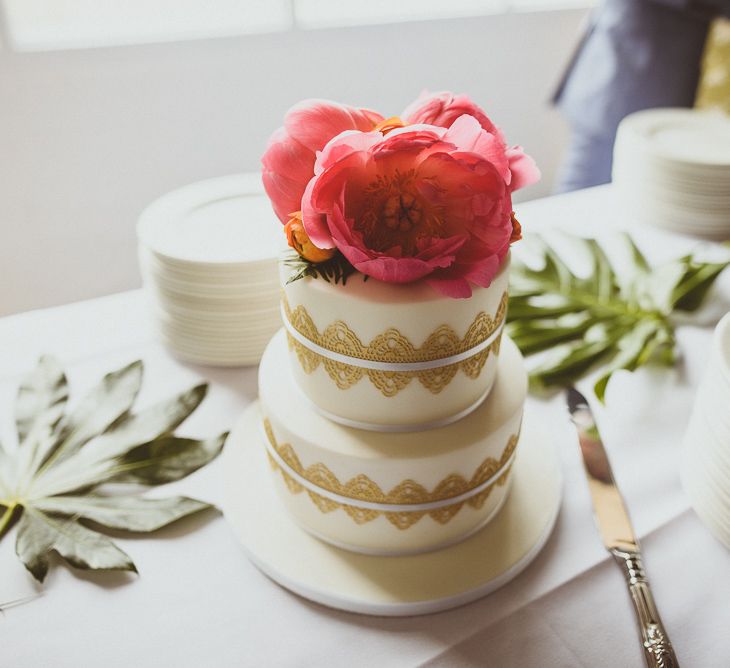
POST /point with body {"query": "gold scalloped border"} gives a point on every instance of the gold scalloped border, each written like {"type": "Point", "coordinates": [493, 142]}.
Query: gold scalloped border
{"type": "Point", "coordinates": [391, 383]}
{"type": "Point", "coordinates": [391, 346]}
{"type": "Point", "coordinates": [363, 488]}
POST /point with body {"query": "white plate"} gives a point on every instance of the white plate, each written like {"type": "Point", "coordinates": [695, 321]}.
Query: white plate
{"type": "Point", "coordinates": [686, 136]}
{"type": "Point", "coordinates": [241, 321]}
{"type": "Point", "coordinates": [390, 586]}
{"type": "Point", "coordinates": [219, 221]}
{"type": "Point", "coordinates": [260, 273]}
{"type": "Point", "coordinates": [191, 304]}
{"type": "Point", "coordinates": [207, 344]}
{"type": "Point", "coordinates": [214, 301]}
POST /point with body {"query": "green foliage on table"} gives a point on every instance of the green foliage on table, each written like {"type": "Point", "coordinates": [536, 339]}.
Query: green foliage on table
{"type": "Point", "coordinates": [619, 320]}
{"type": "Point", "coordinates": [56, 483]}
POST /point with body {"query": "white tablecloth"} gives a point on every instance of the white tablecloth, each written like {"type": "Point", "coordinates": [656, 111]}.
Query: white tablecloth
{"type": "Point", "coordinates": [198, 602]}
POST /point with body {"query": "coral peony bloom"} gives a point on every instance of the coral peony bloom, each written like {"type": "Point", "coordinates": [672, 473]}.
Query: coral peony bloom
{"type": "Point", "coordinates": [422, 202]}
{"type": "Point", "coordinates": [443, 109]}
{"type": "Point", "coordinates": [297, 238]}
{"type": "Point", "coordinates": [288, 163]}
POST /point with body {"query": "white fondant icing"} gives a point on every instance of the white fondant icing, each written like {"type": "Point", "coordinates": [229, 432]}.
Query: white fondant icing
{"type": "Point", "coordinates": [371, 307]}
{"type": "Point", "coordinates": [426, 457]}
{"type": "Point", "coordinates": [398, 428]}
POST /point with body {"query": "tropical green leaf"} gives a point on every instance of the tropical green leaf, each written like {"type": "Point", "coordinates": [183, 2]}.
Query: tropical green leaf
{"type": "Point", "coordinates": [634, 349]}
{"type": "Point", "coordinates": [107, 402]}
{"type": "Point", "coordinates": [143, 427]}
{"type": "Point", "coordinates": [53, 482]}
{"type": "Point", "coordinates": [126, 513]}
{"type": "Point", "coordinates": [691, 292]}
{"type": "Point", "coordinates": [167, 459]}
{"type": "Point", "coordinates": [40, 534]}
{"type": "Point", "coordinates": [39, 408]}
{"type": "Point", "coordinates": [41, 399]}
{"type": "Point", "coordinates": [619, 319]}
{"type": "Point", "coordinates": [335, 270]}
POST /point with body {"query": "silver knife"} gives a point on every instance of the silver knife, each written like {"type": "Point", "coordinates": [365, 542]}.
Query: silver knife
{"type": "Point", "coordinates": [617, 533]}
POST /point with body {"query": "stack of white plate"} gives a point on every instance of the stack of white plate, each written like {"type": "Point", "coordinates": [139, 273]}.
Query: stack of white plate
{"type": "Point", "coordinates": [672, 169]}
{"type": "Point", "coordinates": [706, 456]}
{"type": "Point", "coordinates": [208, 254]}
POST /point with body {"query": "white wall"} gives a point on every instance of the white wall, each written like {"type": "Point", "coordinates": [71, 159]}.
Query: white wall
{"type": "Point", "coordinates": [87, 138]}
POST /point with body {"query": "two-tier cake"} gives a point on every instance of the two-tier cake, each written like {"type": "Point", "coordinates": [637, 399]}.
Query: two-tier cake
{"type": "Point", "coordinates": [428, 461]}
{"type": "Point", "coordinates": [391, 401]}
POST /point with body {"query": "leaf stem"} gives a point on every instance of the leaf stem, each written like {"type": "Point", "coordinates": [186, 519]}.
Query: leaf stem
{"type": "Point", "coordinates": [7, 518]}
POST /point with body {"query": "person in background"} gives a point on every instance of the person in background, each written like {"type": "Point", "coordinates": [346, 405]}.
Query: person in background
{"type": "Point", "coordinates": [636, 54]}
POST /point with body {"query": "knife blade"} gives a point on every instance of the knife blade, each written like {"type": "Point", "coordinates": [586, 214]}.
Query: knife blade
{"type": "Point", "coordinates": [617, 533]}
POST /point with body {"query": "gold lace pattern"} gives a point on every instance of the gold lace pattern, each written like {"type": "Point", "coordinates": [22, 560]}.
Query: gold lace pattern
{"type": "Point", "coordinates": [407, 492]}
{"type": "Point", "coordinates": [393, 347]}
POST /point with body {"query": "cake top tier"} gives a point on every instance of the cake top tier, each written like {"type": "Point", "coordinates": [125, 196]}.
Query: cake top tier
{"type": "Point", "coordinates": [355, 316]}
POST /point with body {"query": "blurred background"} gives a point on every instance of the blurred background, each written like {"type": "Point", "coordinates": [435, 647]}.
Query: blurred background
{"type": "Point", "coordinates": [105, 105]}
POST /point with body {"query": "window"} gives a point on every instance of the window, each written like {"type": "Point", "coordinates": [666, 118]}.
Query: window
{"type": "Point", "coordinates": [40, 25]}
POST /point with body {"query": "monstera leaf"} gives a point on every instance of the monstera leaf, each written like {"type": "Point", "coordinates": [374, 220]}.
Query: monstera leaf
{"type": "Point", "coordinates": [619, 320]}
{"type": "Point", "coordinates": [57, 484]}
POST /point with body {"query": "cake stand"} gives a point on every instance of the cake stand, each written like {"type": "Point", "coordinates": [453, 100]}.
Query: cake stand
{"type": "Point", "coordinates": [389, 586]}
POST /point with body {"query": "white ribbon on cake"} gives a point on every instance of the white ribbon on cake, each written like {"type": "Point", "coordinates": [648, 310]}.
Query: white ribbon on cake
{"type": "Point", "coordinates": [389, 366]}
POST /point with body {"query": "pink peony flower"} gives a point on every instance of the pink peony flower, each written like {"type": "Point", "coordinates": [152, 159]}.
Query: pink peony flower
{"type": "Point", "coordinates": [442, 109]}
{"type": "Point", "coordinates": [422, 202]}
{"type": "Point", "coordinates": [426, 197]}
{"type": "Point", "coordinates": [288, 163]}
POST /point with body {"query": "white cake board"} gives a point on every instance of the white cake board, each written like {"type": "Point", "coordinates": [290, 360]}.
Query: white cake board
{"type": "Point", "coordinates": [389, 586]}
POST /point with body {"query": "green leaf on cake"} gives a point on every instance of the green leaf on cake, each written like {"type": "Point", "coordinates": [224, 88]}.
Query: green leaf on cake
{"type": "Point", "coordinates": [57, 484]}
{"type": "Point", "coordinates": [609, 319]}
{"type": "Point", "coordinates": [335, 270]}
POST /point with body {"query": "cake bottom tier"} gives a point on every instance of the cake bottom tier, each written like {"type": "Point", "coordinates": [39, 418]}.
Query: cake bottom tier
{"type": "Point", "coordinates": [390, 493]}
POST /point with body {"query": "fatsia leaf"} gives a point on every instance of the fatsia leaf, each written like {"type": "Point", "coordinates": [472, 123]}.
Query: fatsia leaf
{"type": "Point", "coordinates": [58, 489]}
{"type": "Point", "coordinates": [39, 408]}
{"type": "Point", "coordinates": [163, 460]}
{"type": "Point", "coordinates": [41, 398]}
{"type": "Point", "coordinates": [126, 513]}
{"type": "Point", "coordinates": [106, 403]}
{"type": "Point", "coordinates": [91, 464]}
{"type": "Point", "coordinates": [143, 427]}
{"type": "Point", "coordinates": [39, 534]}
{"type": "Point", "coordinates": [167, 459]}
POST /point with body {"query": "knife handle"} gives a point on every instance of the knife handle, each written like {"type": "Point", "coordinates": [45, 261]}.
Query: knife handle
{"type": "Point", "coordinates": [658, 650]}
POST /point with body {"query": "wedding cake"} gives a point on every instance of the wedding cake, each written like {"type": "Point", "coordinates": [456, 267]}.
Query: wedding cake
{"type": "Point", "coordinates": [391, 401]}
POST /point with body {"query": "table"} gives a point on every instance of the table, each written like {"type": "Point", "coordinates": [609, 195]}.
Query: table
{"type": "Point", "coordinates": [199, 602]}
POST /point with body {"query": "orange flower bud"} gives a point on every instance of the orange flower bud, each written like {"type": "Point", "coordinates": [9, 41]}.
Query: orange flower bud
{"type": "Point", "coordinates": [516, 229]}
{"type": "Point", "coordinates": [389, 124]}
{"type": "Point", "coordinates": [297, 238]}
